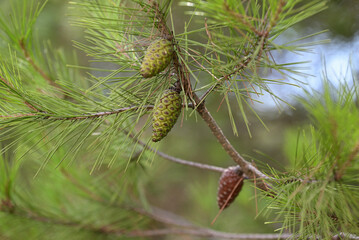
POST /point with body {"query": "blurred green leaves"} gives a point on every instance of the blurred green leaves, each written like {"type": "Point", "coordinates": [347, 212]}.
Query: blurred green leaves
{"type": "Point", "coordinates": [318, 194]}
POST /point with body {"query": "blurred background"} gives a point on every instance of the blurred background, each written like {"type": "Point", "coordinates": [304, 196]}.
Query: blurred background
{"type": "Point", "coordinates": [191, 192]}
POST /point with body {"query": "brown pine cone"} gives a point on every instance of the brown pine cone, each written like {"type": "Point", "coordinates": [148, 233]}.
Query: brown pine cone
{"type": "Point", "coordinates": [230, 184]}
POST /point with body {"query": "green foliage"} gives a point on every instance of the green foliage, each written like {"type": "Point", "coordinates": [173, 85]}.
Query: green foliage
{"type": "Point", "coordinates": [58, 124]}
{"type": "Point", "coordinates": [318, 195]}
{"type": "Point", "coordinates": [67, 201]}
{"type": "Point", "coordinates": [239, 40]}
{"type": "Point", "coordinates": [117, 35]}
{"type": "Point", "coordinates": [53, 212]}
{"type": "Point", "coordinates": [18, 26]}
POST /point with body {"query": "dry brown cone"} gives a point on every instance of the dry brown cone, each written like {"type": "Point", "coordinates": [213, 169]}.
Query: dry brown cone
{"type": "Point", "coordinates": [230, 184]}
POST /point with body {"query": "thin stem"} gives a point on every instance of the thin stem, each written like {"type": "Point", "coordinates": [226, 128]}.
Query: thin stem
{"type": "Point", "coordinates": [275, 18]}
{"type": "Point", "coordinates": [242, 65]}
{"type": "Point", "coordinates": [195, 231]}
{"type": "Point", "coordinates": [199, 105]}
{"type": "Point", "coordinates": [83, 117]}
{"type": "Point", "coordinates": [189, 163]}
{"type": "Point", "coordinates": [35, 66]}
{"type": "Point", "coordinates": [44, 115]}
{"type": "Point", "coordinates": [12, 89]}
{"type": "Point", "coordinates": [205, 233]}
{"type": "Point", "coordinates": [339, 174]}
{"type": "Point", "coordinates": [241, 18]}
{"type": "Point", "coordinates": [178, 160]}
{"type": "Point", "coordinates": [108, 230]}
{"type": "Point", "coordinates": [246, 167]}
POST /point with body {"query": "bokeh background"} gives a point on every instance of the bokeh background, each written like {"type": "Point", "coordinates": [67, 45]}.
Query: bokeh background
{"type": "Point", "coordinates": [191, 192]}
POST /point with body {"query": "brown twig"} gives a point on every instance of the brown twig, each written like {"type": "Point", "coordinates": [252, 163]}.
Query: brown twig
{"type": "Point", "coordinates": [189, 163]}
{"type": "Point", "coordinates": [242, 65]}
{"type": "Point", "coordinates": [339, 174]}
{"type": "Point", "coordinates": [183, 76]}
{"type": "Point", "coordinates": [241, 19]}
{"type": "Point", "coordinates": [189, 231]}
{"type": "Point", "coordinates": [246, 167]}
{"type": "Point", "coordinates": [19, 115]}
{"type": "Point", "coordinates": [179, 160]}
{"type": "Point", "coordinates": [180, 70]}
{"type": "Point", "coordinates": [85, 116]}
{"type": "Point", "coordinates": [208, 233]}
{"type": "Point", "coordinates": [11, 87]}
{"type": "Point", "coordinates": [35, 66]}
{"type": "Point", "coordinates": [111, 230]}
{"type": "Point", "coordinates": [275, 18]}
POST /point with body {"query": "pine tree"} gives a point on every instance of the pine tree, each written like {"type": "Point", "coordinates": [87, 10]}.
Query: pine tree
{"type": "Point", "coordinates": [77, 153]}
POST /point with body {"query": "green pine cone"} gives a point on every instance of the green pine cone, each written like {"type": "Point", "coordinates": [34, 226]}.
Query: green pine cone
{"type": "Point", "coordinates": [157, 58]}
{"type": "Point", "coordinates": [166, 112]}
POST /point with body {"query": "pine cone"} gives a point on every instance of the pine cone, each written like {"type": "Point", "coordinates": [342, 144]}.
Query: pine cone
{"type": "Point", "coordinates": [157, 58]}
{"type": "Point", "coordinates": [228, 181]}
{"type": "Point", "coordinates": [166, 112]}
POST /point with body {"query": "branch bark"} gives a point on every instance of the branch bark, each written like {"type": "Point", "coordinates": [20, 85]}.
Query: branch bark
{"type": "Point", "coordinates": [247, 168]}
{"type": "Point", "coordinates": [199, 105]}
{"type": "Point", "coordinates": [83, 117]}
{"type": "Point", "coordinates": [205, 233]}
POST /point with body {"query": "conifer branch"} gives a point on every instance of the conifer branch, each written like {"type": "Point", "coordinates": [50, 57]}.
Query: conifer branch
{"type": "Point", "coordinates": [275, 18]}
{"type": "Point", "coordinates": [241, 18]}
{"type": "Point", "coordinates": [189, 163]}
{"type": "Point", "coordinates": [190, 231]}
{"type": "Point", "coordinates": [47, 116]}
{"type": "Point", "coordinates": [179, 160]}
{"type": "Point", "coordinates": [203, 232]}
{"type": "Point", "coordinates": [182, 73]}
{"type": "Point", "coordinates": [246, 167]}
{"type": "Point", "coordinates": [339, 174]}
{"type": "Point", "coordinates": [243, 64]}
{"type": "Point", "coordinates": [35, 66]}
{"type": "Point", "coordinates": [11, 87]}
{"type": "Point", "coordinates": [109, 230]}
{"type": "Point", "coordinates": [44, 115]}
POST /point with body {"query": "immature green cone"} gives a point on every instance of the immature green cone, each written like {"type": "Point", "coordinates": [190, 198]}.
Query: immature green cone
{"type": "Point", "coordinates": [157, 58]}
{"type": "Point", "coordinates": [166, 112]}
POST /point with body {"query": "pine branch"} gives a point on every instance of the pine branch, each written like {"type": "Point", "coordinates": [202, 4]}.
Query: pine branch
{"type": "Point", "coordinates": [179, 160]}
{"type": "Point", "coordinates": [246, 167]}
{"type": "Point", "coordinates": [11, 88]}
{"type": "Point", "coordinates": [339, 174]}
{"type": "Point", "coordinates": [208, 233]}
{"type": "Point", "coordinates": [47, 116]}
{"type": "Point", "coordinates": [182, 73]}
{"type": "Point", "coordinates": [109, 230]}
{"type": "Point", "coordinates": [195, 231]}
{"type": "Point", "coordinates": [254, 55]}
{"type": "Point", "coordinates": [189, 163]}
{"type": "Point", "coordinates": [164, 216]}
{"type": "Point", "coordinates": [35, 66]}
{"type": "Point", "coordinates": [241, 18]}
{"type": "Point", "coordinates": [275, 17]}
